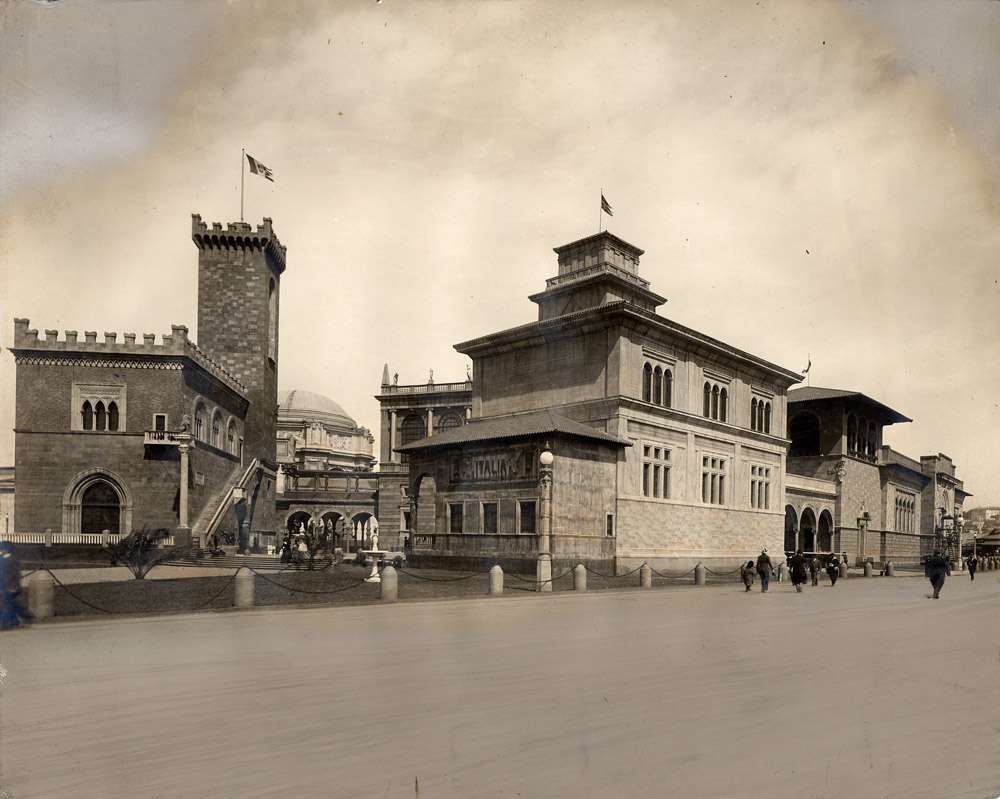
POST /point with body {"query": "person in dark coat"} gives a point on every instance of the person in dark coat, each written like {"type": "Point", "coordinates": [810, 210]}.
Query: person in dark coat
{"type": "Point", "coordinates": [937, 567]}
{"type": "Point", "coordinates": [797, 566]}
{"type": "Point", "coordinates": [764, 570]}
{"type": "Point", "coordinates": [814, 570]}
{"type": "Point", "coordinates": [12, 612]}
{"type": "Point", "coordinates": [746, 573]}
{"type": "Point", "coordinates": [286, 548]}
{"type": "Point", "coordinates": [973, 564]}
{"type": "Point", "coordinates": [833, 570]}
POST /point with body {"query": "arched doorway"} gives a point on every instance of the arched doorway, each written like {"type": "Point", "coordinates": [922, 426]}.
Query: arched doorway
{"type": "Point", "coordinates": [423, 500]}
{"type": "Point", "coordinates": [807, 531]}
{"type": "Point", "coordinates": [791, 528]}
{"type": "Point", "coordinates": [825, 541]}
{"type": "Point", "coordinates": [100, 509]}
{"type": "Point", "coordinates": [298, 521]}
{"type": "Point", "coordinates": [362, 526]}
{"type": "Point", "coordinates": [332, 530]}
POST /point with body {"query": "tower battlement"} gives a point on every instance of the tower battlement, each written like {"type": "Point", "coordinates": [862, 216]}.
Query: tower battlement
{"type": "Point", "coordinates": [239, 235]}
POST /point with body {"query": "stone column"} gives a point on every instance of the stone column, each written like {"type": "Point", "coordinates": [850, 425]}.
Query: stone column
{"type": "Point", "coordinates": [543, 572]}
{"type": "Point", "coordinates": [393, 455]}
{"type": "Point", "coordinates": [183, 528]}
{"type": "Point", "coordinates": [430, 422]}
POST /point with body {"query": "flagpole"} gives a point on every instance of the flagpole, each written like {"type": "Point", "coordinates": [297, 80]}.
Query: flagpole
{"type": "Point", "coordinates": [809, 360]}
{"type": "Point", "coordinates": [243, 167]}
{"type": "Point", "coordinates": [601, 211]}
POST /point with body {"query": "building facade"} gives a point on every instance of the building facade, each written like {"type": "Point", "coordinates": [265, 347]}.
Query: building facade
{"type": "Point", "coordinates": [122, 434]}
{"type": "Point", "coordinates": [692, 469]}
{"type": "Point", "coordinates": [6, 499]}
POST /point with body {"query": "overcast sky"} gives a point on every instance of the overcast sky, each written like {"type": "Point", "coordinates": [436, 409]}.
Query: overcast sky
{"type": "Point", "coordinates": [807, 179]}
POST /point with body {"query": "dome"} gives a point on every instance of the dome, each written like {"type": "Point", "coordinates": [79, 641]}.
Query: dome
{"type": "Point", "coordinates": [301, 404]}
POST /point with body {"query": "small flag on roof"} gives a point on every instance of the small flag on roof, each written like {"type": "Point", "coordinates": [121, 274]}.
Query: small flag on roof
{"type": "Point", "coordinates": [606, 206]}
{"type": "Point", "coordinates": [259, 169]}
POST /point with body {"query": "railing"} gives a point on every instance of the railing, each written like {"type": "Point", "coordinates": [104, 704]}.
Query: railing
{"type": "Point", "coordinates": [227, 501]}
{"type": "Point", "coordinates": [389, 467]}
{"type": "Point", "coordinates": [594, 270]}
{"type": "Point", "coordinates": [428, 388]}
{"type": "Point", "coordinates": [71, 538]}
{"type": "Point", "coordinates": [162, 437]}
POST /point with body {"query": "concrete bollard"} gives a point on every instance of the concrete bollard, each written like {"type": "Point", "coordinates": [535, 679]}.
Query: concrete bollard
{"type": "Point", "coordinates": [580, 578]}
{"type": "Point", "coordinates": [244, 588]}
{"type": "Point", "coordinates": [843, 569]}
{"type": "Point", "coordinates": [868, 568]}
{"type": "Point", "coordinates": [496, 581]}
{"type": "Point", "coordinates": [699, 575]}
{"type": "Point", "coordinates": [42, 596]}
{"type": "Point", "coordinates": [389, 585]}
{"type": "Point", "coordinates": [782, 571]}
{"type": "Point", "coordinates": [890, 570]}
{"type": "Point", "coordinates": [645, 576]}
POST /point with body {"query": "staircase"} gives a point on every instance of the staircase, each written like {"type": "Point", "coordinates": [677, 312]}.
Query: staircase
{"type": "Point", "coordinates": [210, 519]}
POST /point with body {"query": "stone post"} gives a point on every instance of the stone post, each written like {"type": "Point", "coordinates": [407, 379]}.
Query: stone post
{"type": "Point", "coordinates": [890, 570]}
{"type": "Point", "coordinates": [42, 595]}
{"type": "Point", "coordinates": [699, 575]}
{"type": "Point", "coordinates": [496, 581]}
{"type": "Point", "coordinates": [580, 577]}
{"type": "Point", "coordinates": [244, 588]}
{"type": "Point", "coordinates": [868, 568]}
{"type": "Point", "coordinates": [48, 537]}
{"type": "Point", "coordinates": [389, 585]}
{"type": "Point", "coordinates": [645, 576]}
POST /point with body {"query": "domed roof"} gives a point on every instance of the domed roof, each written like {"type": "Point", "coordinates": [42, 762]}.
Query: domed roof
{"type": "Point", "coordinates": [309, 404]}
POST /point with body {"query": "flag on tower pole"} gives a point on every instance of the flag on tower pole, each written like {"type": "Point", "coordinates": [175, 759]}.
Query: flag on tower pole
{"type": "Point", "coordinates": [606, 206]}
{"type": "Point", "coordinates": [259, 169]}
{"type": "Point", "coordinates": [808, 367]}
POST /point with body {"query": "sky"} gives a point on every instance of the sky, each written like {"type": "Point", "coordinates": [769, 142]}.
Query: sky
{"type": "Point", "coordinates": [810, 181]}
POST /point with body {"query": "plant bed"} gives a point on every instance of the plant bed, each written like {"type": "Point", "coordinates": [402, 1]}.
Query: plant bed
{"type": "Point", "coordinates": [144, 596]}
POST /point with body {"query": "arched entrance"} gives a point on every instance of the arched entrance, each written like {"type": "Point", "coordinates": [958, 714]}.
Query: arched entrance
{"type": "Point", "coordinates": [100, 509]}
{"type": "Point", "coordinates": [423, 498]}
{"type": "Point", "coordinates": [297, 521]}
{"type": "Point", "coordinates": [332, 530]}
{"type": "Point", "coordinates": [807, 531]}
{"type": "Point", "coordinates": [363, 525]}
{"type": "Point", "coordinates": [825, 542]}
{"type": "Point", "coordinates": [791, 528]}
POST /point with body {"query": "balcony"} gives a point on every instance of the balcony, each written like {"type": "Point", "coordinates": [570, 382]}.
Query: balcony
{"type": "Point", "coordinates": [164, 438]}
{"type": "Point", "coordinates": [427, 388]}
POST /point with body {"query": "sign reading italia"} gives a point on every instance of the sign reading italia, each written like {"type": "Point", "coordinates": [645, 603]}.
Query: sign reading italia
{"type": "Point", "coordinates": [493, 467]}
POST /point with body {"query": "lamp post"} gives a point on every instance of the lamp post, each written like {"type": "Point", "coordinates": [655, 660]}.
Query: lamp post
{"type": "Point", "coordinates": [863, 521]}
{"type": "Point", "coordinates": [543, 572]}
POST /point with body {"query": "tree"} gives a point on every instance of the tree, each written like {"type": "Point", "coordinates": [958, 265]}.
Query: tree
{"type": "Point", "coordinates": [139, 551]}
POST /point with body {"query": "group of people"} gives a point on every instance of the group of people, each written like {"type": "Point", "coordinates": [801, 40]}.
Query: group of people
{"type": "Point", "coordinates": [801, 569]}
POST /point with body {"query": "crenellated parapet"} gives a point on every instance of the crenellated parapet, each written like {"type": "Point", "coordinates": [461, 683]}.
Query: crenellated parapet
{"type": "Point", "coordinates": [28, 343]}
{"type": "Point", "coordinates": [239, 235]}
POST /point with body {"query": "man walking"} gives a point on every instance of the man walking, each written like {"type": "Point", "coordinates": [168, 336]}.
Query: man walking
{"type": "Point", "coordinates": [937, 567]}
{"type": "Point", "coordinates": [973, 564]}
{"type": "Point", "coordinates": [833, 570]}
{"type": "Point", "coordinates": [797, 566]}
{"type": "Point", "coordinates": [764, 570]}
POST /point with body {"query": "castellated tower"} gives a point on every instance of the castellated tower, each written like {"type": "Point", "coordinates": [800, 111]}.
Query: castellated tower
{"type": "Point", "coordinates": [239, 285]}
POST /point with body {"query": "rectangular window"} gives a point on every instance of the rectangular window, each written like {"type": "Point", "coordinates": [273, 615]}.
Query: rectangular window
{"type": "Point", "coordinates": [490, 518]}
{"type": "Point", "coordinates": [455, 517]}
{"type": "Point", "coordinates": [656, 472]}
{"type": "Point", "coordinates": [609, 524]}
{"type": "Point", "coordinates": [528, 518]}
{"type": "Point", "coordinates": [159, 422]}
{"type": "Point", "coordinates": [760, 487]}
{"type": "Point", "coordinates": [713, 480]}
{"type": "Point", "coordinates": [406, 520]}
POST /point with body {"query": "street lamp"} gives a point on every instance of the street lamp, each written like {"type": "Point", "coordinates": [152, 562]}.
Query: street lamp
{"type": "Point", "coordinates": [543, 572]}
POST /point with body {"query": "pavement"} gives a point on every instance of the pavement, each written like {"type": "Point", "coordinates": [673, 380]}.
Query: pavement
{"type": "Point", "coordinates": [867, 689]}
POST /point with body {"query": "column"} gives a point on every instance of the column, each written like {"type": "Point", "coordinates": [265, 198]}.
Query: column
{"type": "Point", "coordinates": [393, 455]}
{"type": "Point", "coordinates": [183, 529]}
{"type": "Point", "coordinates": [430, 422]}
{"type": "Point", "coordinates": [543, 571]}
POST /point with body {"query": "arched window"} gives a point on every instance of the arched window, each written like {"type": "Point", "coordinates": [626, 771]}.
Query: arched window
{"type": "Point", "coordinates": [88, 416]}
{"type": "Point", "coordinates": [723, 404]}
{"type": "Point", "coordinates": [668, 388]}
{"type": "Point", "coordinates": [767, 417]}
{"type": "Point", "coordinates": [412, 429]}
{"type": "Point", "coordinates": [658, 386]}
{"type": "Point", "coordinates": [862, 444]}
{"type": "Point", "coordinates": [760, 416]}
{"type": "Point", "coordinates": [200, 423]}
{"type": "Point", "coordinates": [272, 320]}
{"type": "Point", "coordinates": [100, 417]}
{"type": "Point", "coordinates": [448, 421]}
{"type": "Point", "coordinates": [715, 402]}
{"type": "Point", "coordinates": [753, 414]}
{"type": "Point", "coordinates": [804, 430]}
{"type": "Point", "coordinates": [100, 509]}
{"type": "Point", "coordinates": [217, 429]}
{"type": "Point", "coordinates": [852, 434]}
{"type": "Point", "coordinates": [231, 438]}
{"type": "Point", "coordinates": [647, 383]}
{"type": "Point", "coordinates": [112, 415]}
{"type": "Point", "coordinates": [708, 401]}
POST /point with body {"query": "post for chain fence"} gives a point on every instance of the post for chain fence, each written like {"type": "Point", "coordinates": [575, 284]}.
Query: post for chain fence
{"type": "Point", "coordinates": [890, 569]}
{"type": "Point", "coordinates": [580, 578]}
{"type": "Point", "coordinates": [645, 576]}
{"type": "Point", "coordinates": [244, 588]}
{"type": "Point", "coordinates": [496, 581]}
{"type": "Point", "coordinates": [868, 568]}
{"type": "Point", "coordinates": [42, 595]}
{"type": "Point", "coordinates": [699, 575]}
{"type": "Point", "coordinates": [389, 585]}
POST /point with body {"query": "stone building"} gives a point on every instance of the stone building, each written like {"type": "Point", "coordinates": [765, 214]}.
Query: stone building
{"type": "Point", "coordinates": [123, 434]}
{"type": "Point", "coordinates": [326, 478]}
{"type": "Point", "coordinates": [6, 499]}
{"type": "Point", "coordinates": [847, 491]}
{"type": "Point", "coordinates": [666, 445]}
{"type": "Point", "coordinates": [409, 413]}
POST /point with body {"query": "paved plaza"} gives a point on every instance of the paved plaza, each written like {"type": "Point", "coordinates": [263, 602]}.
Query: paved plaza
{"type": "Point", "coordinates": [864, 690]}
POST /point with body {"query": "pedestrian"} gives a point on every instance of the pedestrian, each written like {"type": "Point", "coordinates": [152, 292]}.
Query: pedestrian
{"type": "Point", "coordinates": [833, 570]}
{"type": "Point", "coordinates": [12, 612]}
{"type": "Point", "coordinates": [764, 570]}
{"type": "Point", "coordinates": [973, 564]}
{"type": "Point", "coordinates": [797, 566]}
{"type": "Point", "coordinates": [814, 570]}
{"type": "Point", "coordinates": [286, 548]}
{"type": "Point", "coordinates": [747, 574]}
{"type": "Point", "coordinates": [937, 567]}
